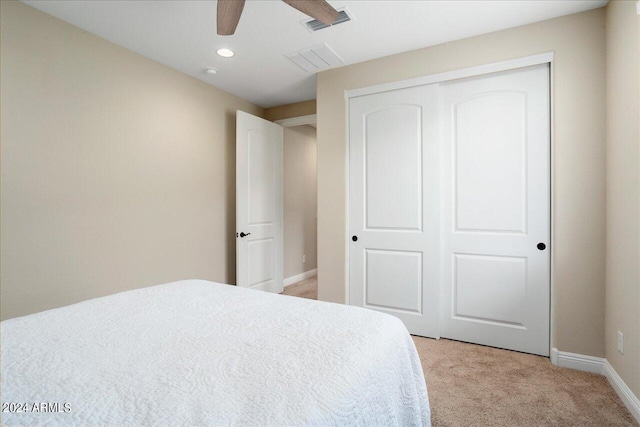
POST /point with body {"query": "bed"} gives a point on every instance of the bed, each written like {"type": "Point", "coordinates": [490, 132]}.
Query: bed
{"type": "Point", "coordinates": [201, 353]}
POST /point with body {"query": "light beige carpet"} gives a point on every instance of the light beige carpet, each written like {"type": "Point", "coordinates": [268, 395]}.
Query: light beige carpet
{"type": "Point", "coordinates": [307, 288]}
{"type": "Point", "coordinates": [473, 385]}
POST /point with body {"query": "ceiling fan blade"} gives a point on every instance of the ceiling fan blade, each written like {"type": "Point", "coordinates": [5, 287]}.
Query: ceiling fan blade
{"type": "Point", "coordinates": [317, 9]}
{"type": "Point", "coordinates": [229, 12]}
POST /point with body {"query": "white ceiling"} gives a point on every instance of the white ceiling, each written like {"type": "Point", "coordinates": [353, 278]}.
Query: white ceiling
{"type": "Point", "coordinates": [182, 34]}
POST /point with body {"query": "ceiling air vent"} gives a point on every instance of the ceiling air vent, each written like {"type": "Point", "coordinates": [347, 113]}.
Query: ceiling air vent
{"type": "Point", "coordinates": [314, 25]}
{"type": "Point", "coordinates": [315, 58]}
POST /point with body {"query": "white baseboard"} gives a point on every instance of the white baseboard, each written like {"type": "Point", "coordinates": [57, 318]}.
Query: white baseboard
{"type": "Point", "coordinates": [579, 362]}
{"type": "Point", "coordinates": [599, 365]}
{"type": "Point", "coordinates": [629, 399]}
{"type": "Point", "coordinates": [298, 277]}
{"type": "Point", "coordinates": [267, 286]}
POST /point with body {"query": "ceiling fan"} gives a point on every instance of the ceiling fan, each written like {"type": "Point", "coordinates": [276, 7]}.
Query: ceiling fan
{"type": "Point", "coordinates": [229, 12]}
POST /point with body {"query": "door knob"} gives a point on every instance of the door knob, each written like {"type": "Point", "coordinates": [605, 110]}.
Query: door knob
{"type": "Point", "coordinates": [243, 234]}
{"type": "Point", "coordinates": [542, 246]}
{"type": "Point", "coordinates": [354, 238]}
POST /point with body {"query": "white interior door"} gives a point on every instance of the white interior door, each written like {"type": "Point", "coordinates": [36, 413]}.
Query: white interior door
{"type": "Point", "coordinates": [258, 203]}
{"type": "Point", "coordinates": [496, 227]}
{"type": "Point", "coordinates": [394, 217]}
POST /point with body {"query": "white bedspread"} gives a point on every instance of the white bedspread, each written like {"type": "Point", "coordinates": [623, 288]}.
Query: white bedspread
{"type": "Point", "coordinates": [201, 353]}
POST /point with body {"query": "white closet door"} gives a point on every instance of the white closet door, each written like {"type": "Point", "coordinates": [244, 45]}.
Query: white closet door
{"type": "Point", "coordinates": [393, 210]}
{"type": "Point", "coordinates": [496, 149]}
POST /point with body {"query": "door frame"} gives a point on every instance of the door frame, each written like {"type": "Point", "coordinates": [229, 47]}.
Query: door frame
{"type": "Point", "coordinates": [312, 120]}
{"type": "Point", "coordinates": [527, 61]}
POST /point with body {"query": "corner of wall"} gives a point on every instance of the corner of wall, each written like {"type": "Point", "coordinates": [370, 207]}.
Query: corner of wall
{"type": "Point", "coordinates": [622, 29]}
{"type": "Point", "coordinates": [600, 366]}
{"type": "Point", "coordinates": [304, 108]}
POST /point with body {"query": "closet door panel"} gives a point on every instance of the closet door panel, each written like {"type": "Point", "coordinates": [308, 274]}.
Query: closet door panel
{"type": "Point", "coordinates": [496, 210]}
{"type": "Point", "coordinates": [393, 168]}
{"type": "Point", "coordinates": [393, 206]}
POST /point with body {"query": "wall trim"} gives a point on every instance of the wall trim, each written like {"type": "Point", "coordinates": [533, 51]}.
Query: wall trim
{"type": "Point", "coordinates": [629, 399]}
{"type": "Point", "coordinates": [311, 119]}
{"type": "Point", "coordinates": [478, 70]}
{"type": "Point", "coordinates": [298, 277]}
{"type": "Point", "coordinates": [578, 362]}
{"type": "Point", "coordinates": [599, 365]}
{"type": "Point", "coordinates": [552, 207]}
{"type": "Point", "coordinates": [266, 286]}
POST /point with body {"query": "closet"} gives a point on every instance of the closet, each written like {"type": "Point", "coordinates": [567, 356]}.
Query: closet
{"type": "Point", "coordinates": [449, 207]}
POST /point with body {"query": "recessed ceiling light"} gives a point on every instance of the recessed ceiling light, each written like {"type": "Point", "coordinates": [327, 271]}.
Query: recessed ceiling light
{"type": "Point", "coordinates": [210, 70]}
{"type": "Point", "coordinates": [226, 53]}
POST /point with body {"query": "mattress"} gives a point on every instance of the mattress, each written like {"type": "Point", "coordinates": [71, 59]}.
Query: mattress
{"type": "Point", "coordinates": [202, 353]}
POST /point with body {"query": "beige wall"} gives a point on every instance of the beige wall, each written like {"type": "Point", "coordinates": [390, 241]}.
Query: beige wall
{"type": "Point", "coordinates": [300, 199]}
{"type": "Point", "coordinates": [117, 172]}
{"type": "Point", "coordinates": [290, 110]}
{"type": "Point", "coordinates": [578, 159]}
{"type": "Point", "coordinates": [623, 190]}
